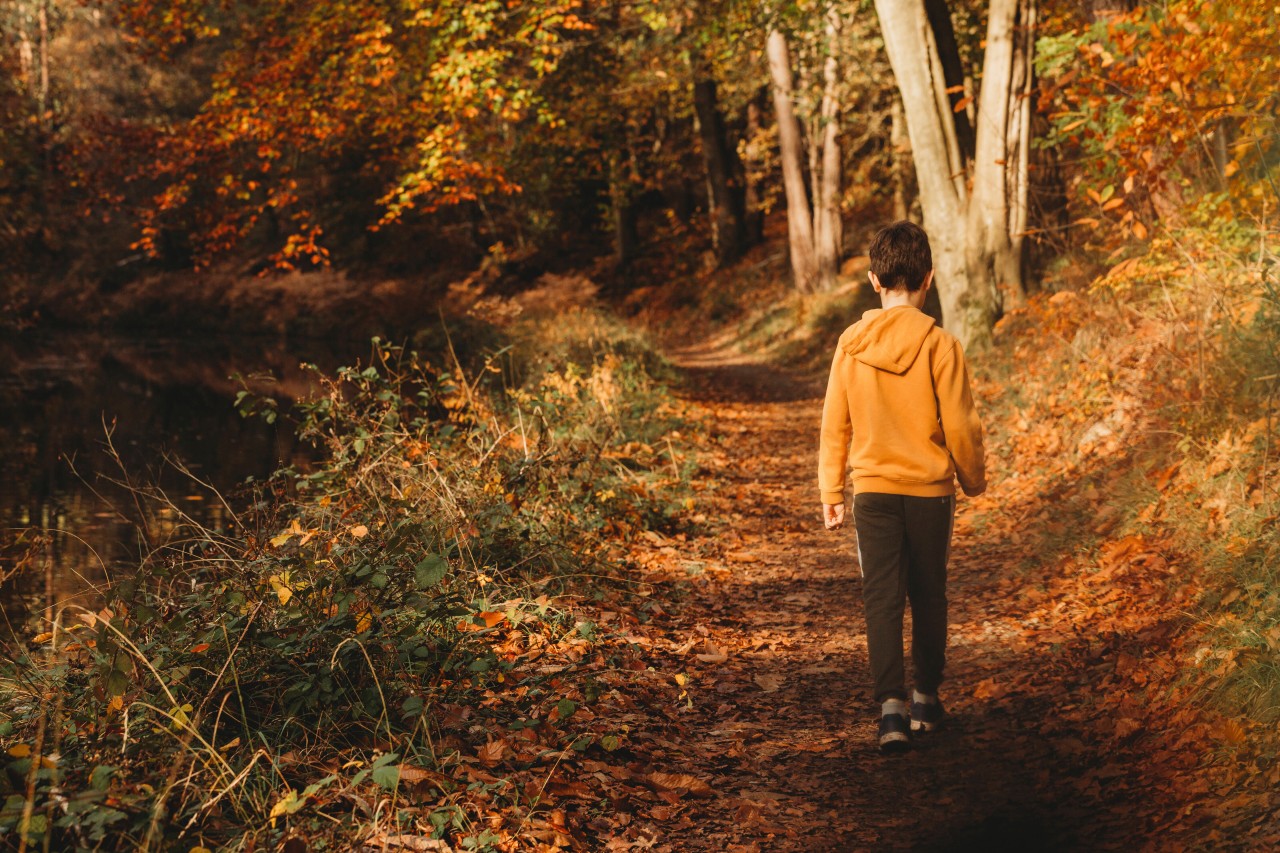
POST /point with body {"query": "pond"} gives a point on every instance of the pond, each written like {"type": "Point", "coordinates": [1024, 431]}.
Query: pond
{"type": "Point", "coordinates": [86, 419]}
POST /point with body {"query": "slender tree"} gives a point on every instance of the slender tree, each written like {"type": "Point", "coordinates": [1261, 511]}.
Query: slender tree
{"type": "Point", "coordinates": [724, 192]}
{"type": "Point", "coordinates": [815, 233]}
{"type": "Point", "coordinates": [804, 262]}
{"type": "Point", "coordinates": [828, 228]}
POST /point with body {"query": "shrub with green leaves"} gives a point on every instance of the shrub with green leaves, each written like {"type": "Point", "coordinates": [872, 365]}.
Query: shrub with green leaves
{"type": "Point", "coordinates": [409, 571]}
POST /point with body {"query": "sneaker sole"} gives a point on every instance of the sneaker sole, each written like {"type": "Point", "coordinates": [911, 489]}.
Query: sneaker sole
{"type": "Point", "coordinates": [922, 726]}
{"type": "Point", "coordinates": [895, 742]}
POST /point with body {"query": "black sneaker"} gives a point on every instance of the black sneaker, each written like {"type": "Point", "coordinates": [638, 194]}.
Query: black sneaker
{"type": "Point", "coordinates": [926, 716]}
{"type": "Point", "coordinates": [893, 733]}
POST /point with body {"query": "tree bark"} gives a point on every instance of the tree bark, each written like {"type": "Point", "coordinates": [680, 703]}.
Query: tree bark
{"type": "Point", "coordinates": [753, 203]}
{"type": "Point", "coordinates": [728, 218]}
{"type": "Point", "coordinates": [828, 226]}
{"type": "Point", "coordinates": [804, 262]}
{"type": "Point", "coordinates": [953, 76]}
{"type": "Point", "coordinates": [900, 151]}
{"type": "Point", "coordinates": [626, 239]}
{"type": "Point", "coordinates": [971, 229]}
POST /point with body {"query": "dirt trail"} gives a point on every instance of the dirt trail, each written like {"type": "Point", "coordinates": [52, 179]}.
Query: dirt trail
{"type": "Point", "coordinates": [783, 729]}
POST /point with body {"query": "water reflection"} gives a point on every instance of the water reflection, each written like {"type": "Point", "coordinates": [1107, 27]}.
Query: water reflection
{"type": "Point", "coordinates": [83, 417]}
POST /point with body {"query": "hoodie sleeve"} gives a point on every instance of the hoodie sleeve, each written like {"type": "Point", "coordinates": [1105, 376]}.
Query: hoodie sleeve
{"type": "Point", "coordinates": [837, 428]}
{"type": "Point", "coordinates": [961, 427]}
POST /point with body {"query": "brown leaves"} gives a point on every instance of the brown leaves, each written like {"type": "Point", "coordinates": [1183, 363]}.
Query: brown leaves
{"type": "Point", "coordinates": [770, 682]}
{"type": "Point", "coordinates": [679, 784]}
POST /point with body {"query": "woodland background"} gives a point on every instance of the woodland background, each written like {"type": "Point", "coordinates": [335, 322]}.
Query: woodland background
{"type": "Point", "coordinates": [469, 616]}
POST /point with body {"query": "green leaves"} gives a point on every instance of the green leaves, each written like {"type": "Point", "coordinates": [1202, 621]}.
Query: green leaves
{"type": "Point", "coordinates": [430, 571]}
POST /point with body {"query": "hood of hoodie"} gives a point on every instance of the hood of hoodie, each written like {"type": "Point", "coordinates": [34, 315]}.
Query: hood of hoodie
{"type": "Point", "coordinates": [888, 339]}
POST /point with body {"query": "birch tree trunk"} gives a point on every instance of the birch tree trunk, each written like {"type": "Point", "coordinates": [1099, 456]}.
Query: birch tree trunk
{"type": "Point", "coordinates": [829, 228]}
{"type": "Point", "coordinates": [972, 230]}
{"type": "Point", "coordinates": [804, 262]}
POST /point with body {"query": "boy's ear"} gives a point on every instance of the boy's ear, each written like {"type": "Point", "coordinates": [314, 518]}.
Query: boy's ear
{"type": "Point", "coordinates": [875, 281]}
{"type": "Point", "coordinates": [928, 282]}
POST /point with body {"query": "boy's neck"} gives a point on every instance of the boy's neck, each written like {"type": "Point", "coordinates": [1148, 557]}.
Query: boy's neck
{"type": "Point", "coordinates": [898, 298]}
{"type": "Point", "coordinates": [901, 296]}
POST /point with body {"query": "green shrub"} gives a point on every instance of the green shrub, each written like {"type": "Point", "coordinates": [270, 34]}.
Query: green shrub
{"type": "Point", "coordinates": [233, 679]}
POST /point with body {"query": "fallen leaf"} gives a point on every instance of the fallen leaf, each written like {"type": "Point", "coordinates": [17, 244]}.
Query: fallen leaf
{"type": "Point", "coordinates": [1126, 726]}
{"type": "Point", "coordinates": [770, 682]}
{"type": "Point", "coordinates": [711, 653]}
{"type": "Point", "coordinates": [492, 752]}
{"type": "Point", "coordinates": [681, 783]}
{"type": "Point", "coordinates": [988, 689]}
{"type": "Point", "coordinates": [490, 617]}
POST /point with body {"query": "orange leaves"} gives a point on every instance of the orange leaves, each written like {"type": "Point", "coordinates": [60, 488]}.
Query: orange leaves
{"type": "Point", "coordinates": [294, 99]}
{"type": "Point", "coordinates": [1161, 88]}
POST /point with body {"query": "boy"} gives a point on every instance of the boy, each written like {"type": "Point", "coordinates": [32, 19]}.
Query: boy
{"type": "Point", "coordinates": [899, 389]}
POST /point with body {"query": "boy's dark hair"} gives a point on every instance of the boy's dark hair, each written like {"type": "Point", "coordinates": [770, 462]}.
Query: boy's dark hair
{"type": "Point", "coordinates": [900, 256]}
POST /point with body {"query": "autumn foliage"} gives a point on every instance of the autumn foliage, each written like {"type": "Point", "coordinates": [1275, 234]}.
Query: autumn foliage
{"type": "Point", "coordinates": [542, 590]}
{"type": "Point", "coordinates": [1165, 103]}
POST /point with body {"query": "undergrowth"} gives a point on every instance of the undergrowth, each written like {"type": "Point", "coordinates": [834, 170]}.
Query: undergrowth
{"type": "Point", "coordinates": [358, 657]}
{"type": "Point", "coordinates": [1150, 402]}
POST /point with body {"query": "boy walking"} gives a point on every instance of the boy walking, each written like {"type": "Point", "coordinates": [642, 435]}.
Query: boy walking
{"type": "Point", "coordinates": [899, 407]}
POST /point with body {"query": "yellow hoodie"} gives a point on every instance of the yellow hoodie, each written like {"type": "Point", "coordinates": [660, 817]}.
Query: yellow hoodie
{"type": "Point", "coordinates": [899, 389]}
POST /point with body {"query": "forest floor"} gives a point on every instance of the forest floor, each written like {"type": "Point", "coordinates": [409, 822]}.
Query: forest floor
{"type": "Point", "coordinates": [776, 738]}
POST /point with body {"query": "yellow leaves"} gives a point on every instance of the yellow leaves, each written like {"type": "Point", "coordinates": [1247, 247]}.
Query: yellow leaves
{"type": "Point", "coordinates": [280, 584]}
{"type": "Point", "coordinates": [286, 805]}
{"type": "Point", "coordinates": [294, 529]}
{"type": "Point", "coordinates": [21, 750]}
{"type": "Point", "coordinates": [181, 716]}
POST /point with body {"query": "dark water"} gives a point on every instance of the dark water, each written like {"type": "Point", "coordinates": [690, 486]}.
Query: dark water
{"type": "Point", "coordinates": [67, 399]}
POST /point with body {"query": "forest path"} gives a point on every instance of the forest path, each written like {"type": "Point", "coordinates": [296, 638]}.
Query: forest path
{"type": "Point", "coordinates": [783, 729]}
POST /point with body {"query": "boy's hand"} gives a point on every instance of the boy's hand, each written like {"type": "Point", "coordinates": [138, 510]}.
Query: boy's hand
{"type": "Point", "coordinates": [833, 516]}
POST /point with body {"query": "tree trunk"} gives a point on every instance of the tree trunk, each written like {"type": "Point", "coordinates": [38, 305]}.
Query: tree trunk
{"type": "Point", "coordinates": [971, 229]}
{"type": "Point", "coordinates": [753, 203]}
{"type": "Point", "coordinates": [1023, 85]}
{"type": "Point", "coordinates": [828, 227]}
{"type": "Point", "coordinates": [804, 262]}
{"type": "Point", "coordinates": [953, 76]}
{"type": "Point", "coordinates": [900, 151]}
{"type": "Point", "coordinates": [625, 234]}
{"type": "Point", "coordinates": [728, 225]}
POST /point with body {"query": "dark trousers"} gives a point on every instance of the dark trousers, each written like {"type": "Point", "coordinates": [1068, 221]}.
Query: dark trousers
{"type": "Point", "coordinates": [903, 545]}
